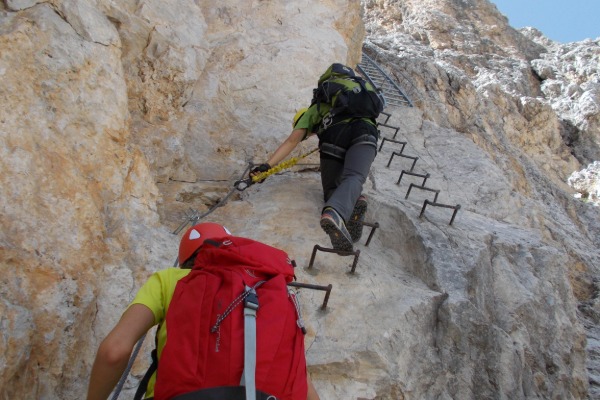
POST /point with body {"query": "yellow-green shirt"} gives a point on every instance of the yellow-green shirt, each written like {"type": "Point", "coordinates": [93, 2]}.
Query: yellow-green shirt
{"type": "Point", "coordinates": [156, 294]}
{"type": "Point", "coordinates": [311, 119]}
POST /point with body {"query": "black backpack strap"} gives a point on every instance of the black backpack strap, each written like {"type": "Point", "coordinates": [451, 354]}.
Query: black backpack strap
{"type": "Point", "coordinates": [143, 385]}
{"type": "Point", "coordinates": [222, 392]}
{"type": "Point", "coordinates": [378, 101]}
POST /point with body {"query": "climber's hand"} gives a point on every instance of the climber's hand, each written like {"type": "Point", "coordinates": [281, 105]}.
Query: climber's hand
{"type": "Point", "coordinates": [261, 168]}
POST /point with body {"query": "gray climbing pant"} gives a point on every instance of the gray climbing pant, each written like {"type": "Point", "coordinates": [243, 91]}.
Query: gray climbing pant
{"type": "Point", "coordinates": [343, 179]}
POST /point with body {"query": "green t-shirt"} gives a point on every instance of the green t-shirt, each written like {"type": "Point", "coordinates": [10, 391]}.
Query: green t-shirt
{"type": "Point", "coordinates": [311, 119]}
{"type": "Point", "coordinates": [156, 294]}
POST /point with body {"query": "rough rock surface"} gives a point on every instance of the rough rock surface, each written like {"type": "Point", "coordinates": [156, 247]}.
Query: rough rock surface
{"type": "Point", "coordinates": [532, 106]}
{"type": "Point", "coordinates": [587, 183]}
{"type": "Point", "coordinates": [118, 118]}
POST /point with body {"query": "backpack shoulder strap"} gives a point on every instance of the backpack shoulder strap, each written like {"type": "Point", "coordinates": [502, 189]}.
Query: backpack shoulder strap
{"type": "Point", "coordinates": [248, 376]}
{"type": "Point", "coordinates": [143, 385]}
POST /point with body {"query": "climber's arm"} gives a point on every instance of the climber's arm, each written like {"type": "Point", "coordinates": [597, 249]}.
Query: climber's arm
{"type": "Point", "coordinates": [287, 147]}
{"type": "Point", "coordinates": [312, 392]}
{"type": "Point", "coordinates": [114, 351]}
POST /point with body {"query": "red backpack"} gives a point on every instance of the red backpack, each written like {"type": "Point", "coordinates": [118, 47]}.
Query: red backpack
{"type": "Point", "coordinates": [206, 332]}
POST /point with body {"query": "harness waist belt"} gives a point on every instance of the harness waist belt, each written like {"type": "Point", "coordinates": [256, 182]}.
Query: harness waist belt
{"type": "Point", "coordinates": [339, 152]}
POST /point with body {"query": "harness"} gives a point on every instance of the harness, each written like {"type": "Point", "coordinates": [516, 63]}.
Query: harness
{"type": "Point", "coordinates": [334, 141]}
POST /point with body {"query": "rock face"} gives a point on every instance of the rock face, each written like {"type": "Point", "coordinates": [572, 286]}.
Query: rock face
{"type": "Point", "coordinates": [516, 102]}
{"type": "Point", "coordinates": [103, 106]}
{"type": "Point", "coordinates": [117, 118]}
{"type": "Point", "coordinates": [587, 183]}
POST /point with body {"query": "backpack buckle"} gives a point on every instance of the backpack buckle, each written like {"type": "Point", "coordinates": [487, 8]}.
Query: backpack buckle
{"type": "Point", "coordinates": [251, 300]}
{"type": "Point", "coordinates": [327, 120]}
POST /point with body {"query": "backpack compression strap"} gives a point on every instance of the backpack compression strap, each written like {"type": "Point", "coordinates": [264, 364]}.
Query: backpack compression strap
{"type": "Point", "coordinates": [248, 376]}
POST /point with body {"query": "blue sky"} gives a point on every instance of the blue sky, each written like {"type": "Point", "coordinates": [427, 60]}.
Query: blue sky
{"type": "Point", "coordinates": [560, 20]}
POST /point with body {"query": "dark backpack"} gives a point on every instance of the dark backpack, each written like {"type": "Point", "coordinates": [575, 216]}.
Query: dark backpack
{"type": "Point", "coordinates": [349, 95]}
{"type": "Point", "coordinates": [209, 348]}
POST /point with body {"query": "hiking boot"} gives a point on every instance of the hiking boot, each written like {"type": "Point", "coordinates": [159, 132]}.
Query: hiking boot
{"type": "Point", "coordinates": [334, 226]}
{"type": "Point", "coordinates": [355, 224]}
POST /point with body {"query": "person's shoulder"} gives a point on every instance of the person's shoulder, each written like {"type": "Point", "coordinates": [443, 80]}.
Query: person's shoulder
{"type": "Point", "coordinates": [177, 270]}
{"type": "Point", "coordinates": [172, 274]}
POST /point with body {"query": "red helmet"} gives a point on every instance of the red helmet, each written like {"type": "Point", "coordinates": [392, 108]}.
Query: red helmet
{"type": "Point", "coordinates": [194, 237]}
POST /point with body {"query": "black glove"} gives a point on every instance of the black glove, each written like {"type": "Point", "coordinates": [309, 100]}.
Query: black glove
{"type": "Point", "coordinates": [261, 168]}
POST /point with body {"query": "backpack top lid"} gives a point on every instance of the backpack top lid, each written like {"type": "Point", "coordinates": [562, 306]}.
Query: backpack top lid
{"type": "Point", "coordinates": [348, 95]}
{"type": "Point", "coordinates": [234, 251]}
{"type": "Point", "coordinates": [337, 69]}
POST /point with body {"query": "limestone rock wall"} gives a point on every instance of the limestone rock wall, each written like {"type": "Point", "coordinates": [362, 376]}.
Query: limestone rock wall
{"type": "Point", "coordinates": [102, 101]}
{"type": "Point", "coordinates": [117, 118]}
{"type": "Point", "coordinates": [495, 92]}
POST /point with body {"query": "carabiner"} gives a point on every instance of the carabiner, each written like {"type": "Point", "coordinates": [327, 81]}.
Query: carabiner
{"type": "Point", "coordinates": [243, 184]}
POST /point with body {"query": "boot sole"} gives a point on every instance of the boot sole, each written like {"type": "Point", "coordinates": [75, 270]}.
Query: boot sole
{"type": "Point", "coordinates": [338, 240]}
{"type": "Point", "coordinates": [355, 224]}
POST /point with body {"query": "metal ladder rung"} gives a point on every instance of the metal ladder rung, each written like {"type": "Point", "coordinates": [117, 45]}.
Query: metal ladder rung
{"type": "Point", "coordinates": [390, 90]}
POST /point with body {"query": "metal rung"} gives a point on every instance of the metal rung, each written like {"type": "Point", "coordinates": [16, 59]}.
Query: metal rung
{"type": "Point", "coordinates": [412, 185]}
{"type": "Point", "coordinates": [404, 172]}
{"type": "Point", "coordinates": [356, 254]}
{"type": "Point", "coordinates": [373, 225]}
{"type": "Point", "coordinates": [393, 141]}
{"type": "Point", "coordinates": [327, 289]}
{"type": "Point", "coordinates": [396, 128]}
{"type": "Point", "coordinates": [402, 155]}
{"type": "Point", "coordinates": [388, 116]}
{"type": "Point", "coordinates": [427, 202]}
{"type": "Point", "coordinates": [380, 79]}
